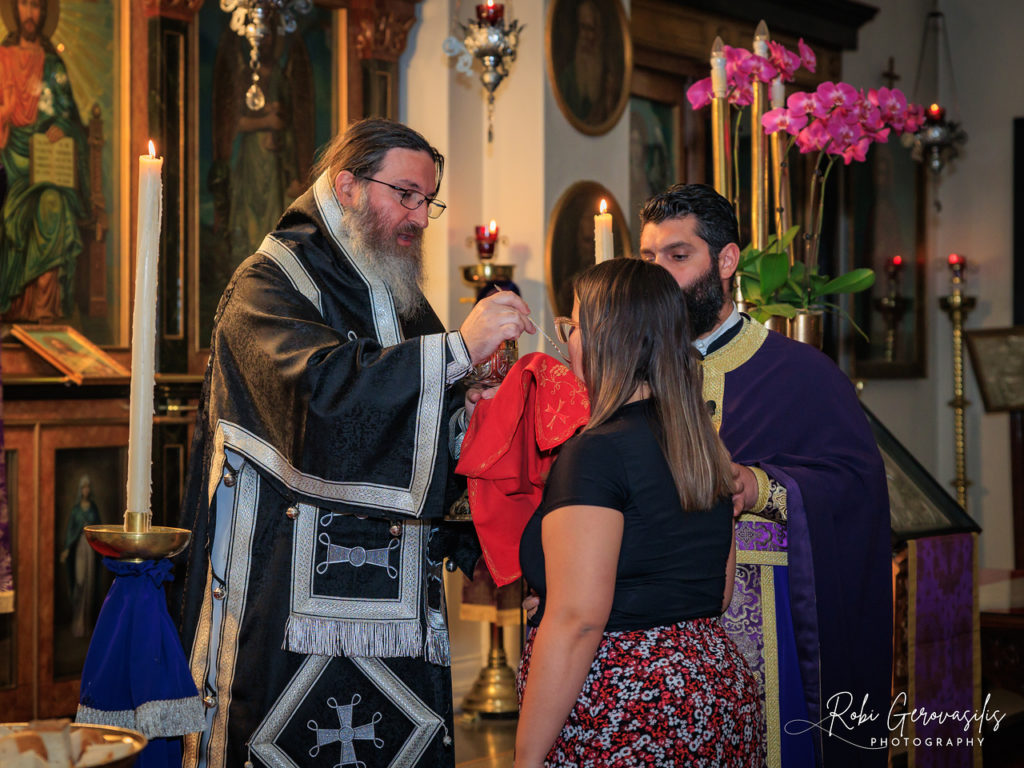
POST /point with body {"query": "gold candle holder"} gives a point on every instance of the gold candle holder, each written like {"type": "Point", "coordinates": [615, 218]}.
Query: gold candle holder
{"type": "Point", "coordinates": [780, 164]}
{"type": "Point", "coordinates": [759, 150]}
{"type": "Point", "coordinates": [494, 691]}
{"type": "Point", "coordinates": [720, 145]}
{"type": "Point", "coordinates": [137, 540]}
{"type": "Point", "coordinates": [957, 306]}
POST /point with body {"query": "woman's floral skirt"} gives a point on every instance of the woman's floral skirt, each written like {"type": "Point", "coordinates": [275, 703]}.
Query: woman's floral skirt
{"type": "Point", "coordinates": [679, 695]}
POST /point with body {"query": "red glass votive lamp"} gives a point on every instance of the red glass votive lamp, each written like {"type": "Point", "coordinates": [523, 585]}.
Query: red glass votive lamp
{"type": "Point", "coordinates": [492, 13]}
{"type": "Point", "coordinates": [486, 237]}
{"type": "Point", "coordinates": [894, 267]}
{"type": "Point", "coordinates": [957, 265]}
{"type": "Point", "coordinates": [936, 112]}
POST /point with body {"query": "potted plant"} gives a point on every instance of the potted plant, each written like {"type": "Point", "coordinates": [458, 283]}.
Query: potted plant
{"type": "Point", "coordinates": [772, 288]}
{"type": "Point", "coordinates": [835, 121]}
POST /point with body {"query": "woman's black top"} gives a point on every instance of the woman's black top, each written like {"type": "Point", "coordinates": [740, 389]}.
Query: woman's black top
{"type": "Point", "coordinates": [672, 562]}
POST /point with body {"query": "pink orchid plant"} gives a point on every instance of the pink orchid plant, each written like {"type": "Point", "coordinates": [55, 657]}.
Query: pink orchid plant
{"type": "Point", "coordinates": [835, 121]}
{"type": "Point", "coordinates": [839, 121]}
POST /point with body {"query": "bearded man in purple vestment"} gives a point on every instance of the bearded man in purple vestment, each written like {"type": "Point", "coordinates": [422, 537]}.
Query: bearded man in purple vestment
{"type": "Point", "coordinates": [812, 607]}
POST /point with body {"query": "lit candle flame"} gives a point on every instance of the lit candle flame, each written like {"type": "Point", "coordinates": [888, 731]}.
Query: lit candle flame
{"type": "Point", "coordinates": [493, 226]}
{"type": "Point", "coordinates": [152, 149]}
{"type": "Point", "coordinates": [490, 3]}
{"type": "Point", "coordinates": [604, 206]}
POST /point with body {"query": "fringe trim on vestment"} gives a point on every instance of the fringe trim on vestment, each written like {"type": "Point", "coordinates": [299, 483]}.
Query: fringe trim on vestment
{"type": "Point", "coordinates": [154, 719]}
{"type": "Point", "coordinates": [437, 649]}
{"type": "Point", "coordinates": [333, 637]}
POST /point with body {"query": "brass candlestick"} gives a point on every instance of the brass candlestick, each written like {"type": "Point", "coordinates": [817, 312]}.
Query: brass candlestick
{"type": "Point", "coordinates": [759, 150]}
{"type": "Point", "coordinates": [494, 692]}
{"type": "Point", "coordinates": [892, 306]}
{"type": "Point", "coordinates": [136, 540]}
{"type": "Point", "coordinates": [957, 306]}
{"type": "Point", "coordinates": [720, 146]}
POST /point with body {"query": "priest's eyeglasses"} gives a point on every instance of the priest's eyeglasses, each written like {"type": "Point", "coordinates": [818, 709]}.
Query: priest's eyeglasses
{"type": "Point", "coordinates": [412, 199]}
{"type": "Point", "coordinates": [564, 326]}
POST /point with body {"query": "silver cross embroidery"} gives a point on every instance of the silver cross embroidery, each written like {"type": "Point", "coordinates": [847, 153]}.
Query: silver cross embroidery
{"type": "Point", "coordinates": [357, 556]}
{"type": "Point", "coordinates": [345, 734]}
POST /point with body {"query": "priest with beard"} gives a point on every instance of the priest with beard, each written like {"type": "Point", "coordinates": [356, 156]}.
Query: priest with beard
{"type": "Point", "coordinates": [812, 606]}
{"type": "Point", "coordinates": [312, 602]}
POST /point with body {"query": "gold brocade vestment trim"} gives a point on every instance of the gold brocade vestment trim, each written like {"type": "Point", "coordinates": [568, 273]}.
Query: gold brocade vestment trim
{"type": "Point", "coordinates": [715, 366]}
{"type": "Point", "coordinates": [730, 357]}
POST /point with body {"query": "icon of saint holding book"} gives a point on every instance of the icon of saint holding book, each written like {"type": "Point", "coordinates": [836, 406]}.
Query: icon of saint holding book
{"type": "Point", "coordinates": [43, 152]}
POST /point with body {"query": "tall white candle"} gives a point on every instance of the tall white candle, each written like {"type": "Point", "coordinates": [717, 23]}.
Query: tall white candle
{"type": "Point", "coordinates": [719, 81]}
{"type": "Point", "coordinates": [147, 252]}
{"type": "Point", "coordinates": [604, 243]}
{"type": "Point", "coordinates": [778, 93]}
{"type": "Point", "coordinates": [761, 39]}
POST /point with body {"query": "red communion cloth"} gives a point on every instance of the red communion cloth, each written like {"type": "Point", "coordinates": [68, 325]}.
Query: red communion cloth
{"type": "Point", "coordinates": [509, 448]}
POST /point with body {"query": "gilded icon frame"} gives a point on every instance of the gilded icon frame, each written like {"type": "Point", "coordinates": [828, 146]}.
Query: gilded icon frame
{"type": "Point", "coordinates": [569, 246]}
{"type": "Point", "coordinates": [615, 44]}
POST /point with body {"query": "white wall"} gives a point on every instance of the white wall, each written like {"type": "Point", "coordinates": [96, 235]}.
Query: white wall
{"type": "Point", "coordinates": [975, 220]}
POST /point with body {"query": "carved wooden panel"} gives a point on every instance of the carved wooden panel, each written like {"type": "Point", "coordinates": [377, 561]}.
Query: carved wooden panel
{"type": "Point", "coordinates": [673, 38]}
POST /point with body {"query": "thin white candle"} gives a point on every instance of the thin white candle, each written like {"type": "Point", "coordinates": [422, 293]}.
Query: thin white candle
{"type": "Point", "coordinates": [147, 252]}
{"type": "Point", "coordinates": [604, 243]}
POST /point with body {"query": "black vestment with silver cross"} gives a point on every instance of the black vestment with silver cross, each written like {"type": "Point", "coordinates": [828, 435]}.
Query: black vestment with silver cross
{"type": "Point", "coordinates": [312, 599]}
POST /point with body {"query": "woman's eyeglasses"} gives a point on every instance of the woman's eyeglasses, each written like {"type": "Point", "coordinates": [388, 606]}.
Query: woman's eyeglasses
{"type": "Point", "coordinates": [564, 326]}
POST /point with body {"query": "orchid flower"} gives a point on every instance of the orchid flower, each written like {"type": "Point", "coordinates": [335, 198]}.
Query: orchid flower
{"type": "Point", "coordinates": [892, 105]}
{"type": "Point", "coordinates": [783, 119]}
{"type": "Point", "coordinates": [831, 96]}
{"type": "Point", "coordinates": [844, 134]}
{"type": "Point", "coordinates": [807, 57]}
{"type": "Point", "coordinates": [783, 60]}
{"type": "Point", "coordinates": [742, 95]}
{"type": "Point", "coordinates": [858, 150]}
{"type": "Point", "coordinates": [915, 118]}
{"type": "Point", "coordinates": [700, 93]}
{"type": "Point", "coordinates": [812, 138]}
{"type": "Point", "coordinates": [802, 103]}
{"type": "Point", "coordinates": [758, 67]}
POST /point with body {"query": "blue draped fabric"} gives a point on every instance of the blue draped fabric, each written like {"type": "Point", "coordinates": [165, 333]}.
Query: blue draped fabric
{"type": "Point", "coordinates": [135, 673]}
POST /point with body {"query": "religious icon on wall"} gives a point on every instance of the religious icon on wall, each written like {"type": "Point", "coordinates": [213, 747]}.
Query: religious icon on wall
{"type": "Point", "coordinates": [653, 153]}
{"type": "Point", "coordinates": [90, 490]}
{"type": "Point", "coordinates": [70, 353]}
{"type": "Point", "coordinates": [58, 255]}
{"type": "Point", "coordinates": [590, 61]}
{"type": "Point", "coordinates": [888, 234]}
{"type": "Point", "coordinates": [254, 163]}
{"type": "Point", "coordinates": [570, 241]}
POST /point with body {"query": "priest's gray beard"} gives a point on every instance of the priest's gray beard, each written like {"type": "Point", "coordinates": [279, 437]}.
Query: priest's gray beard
{"type": "Point", "coordinates": [401, 268]}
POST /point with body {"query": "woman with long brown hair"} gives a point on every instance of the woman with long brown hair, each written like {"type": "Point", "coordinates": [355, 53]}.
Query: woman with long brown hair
{"type": "Point", "coordinates": [632, 552]}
